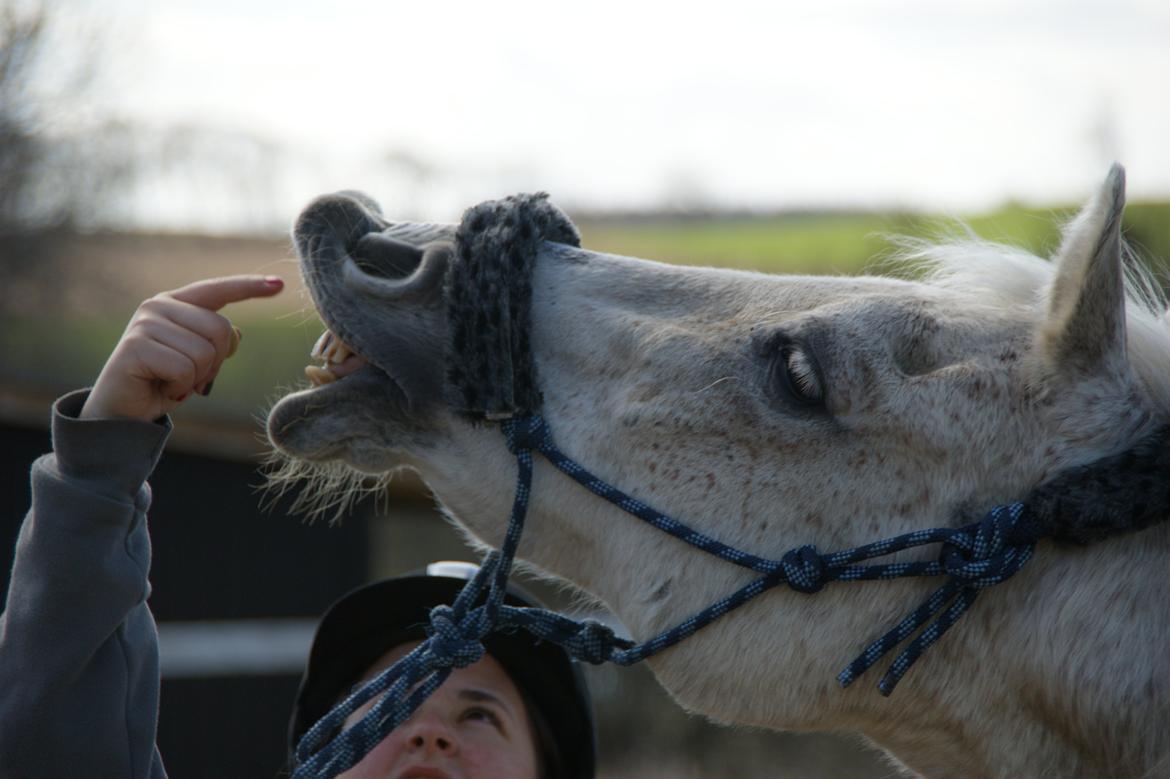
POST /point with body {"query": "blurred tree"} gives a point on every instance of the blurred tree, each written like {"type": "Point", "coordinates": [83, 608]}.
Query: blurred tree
{"type": "Point", "coordinates": [21, 36]}
{"type": "Point", "coordinates": [59, 164]}
{"type": "Point", "coordinates": [56, 168]}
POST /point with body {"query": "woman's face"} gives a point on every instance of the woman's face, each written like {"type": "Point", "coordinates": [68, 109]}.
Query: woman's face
{"type": "Point", "coordinates": [474, 726]}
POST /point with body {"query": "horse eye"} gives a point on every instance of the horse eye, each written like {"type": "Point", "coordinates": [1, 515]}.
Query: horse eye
{"type": "Point", "coordinates": [795, 374]}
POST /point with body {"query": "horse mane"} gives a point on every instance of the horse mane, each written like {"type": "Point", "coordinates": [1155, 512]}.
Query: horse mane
{"type": "Point", "coordinates": [995, 275]}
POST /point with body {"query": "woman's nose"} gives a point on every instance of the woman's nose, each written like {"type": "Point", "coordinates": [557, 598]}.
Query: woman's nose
{"type": "Point", "coordinates": [429, 734]}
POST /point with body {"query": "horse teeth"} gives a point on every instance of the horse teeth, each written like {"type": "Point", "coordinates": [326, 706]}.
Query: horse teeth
{"type": "Point", "coordinates": [319, 376]}
{"type": "Point", "coordinates": [323, 343]}
{"type": "Point", "coordinates": [340, 352]}
{"type": "Point", "coordinates": [330, 349]}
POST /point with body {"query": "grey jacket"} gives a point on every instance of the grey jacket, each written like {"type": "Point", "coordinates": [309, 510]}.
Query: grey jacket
{"type": "Point", "coordinates": [79, 675]}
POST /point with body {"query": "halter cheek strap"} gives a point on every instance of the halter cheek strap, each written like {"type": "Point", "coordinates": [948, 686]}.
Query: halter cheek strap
{"type": "Point", "coordinates": [492, 377]}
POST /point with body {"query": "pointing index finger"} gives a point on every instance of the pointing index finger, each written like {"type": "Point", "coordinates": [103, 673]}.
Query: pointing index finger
{"type": "Point", "coordinates": [214, 294]}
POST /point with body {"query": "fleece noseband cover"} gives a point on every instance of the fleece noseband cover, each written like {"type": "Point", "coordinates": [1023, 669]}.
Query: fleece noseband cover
{"type": "Point", "coordinates": [488, 290]}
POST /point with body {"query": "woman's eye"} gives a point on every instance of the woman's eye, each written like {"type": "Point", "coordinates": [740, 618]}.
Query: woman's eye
{"type": "Point", "coordinates": [480, 714]}
{"type": "Point", "coordinates": [795, 374]}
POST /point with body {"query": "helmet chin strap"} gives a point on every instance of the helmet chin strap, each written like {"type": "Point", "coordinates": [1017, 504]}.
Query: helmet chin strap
{"type": "Point", "coordinates": [492, 378]}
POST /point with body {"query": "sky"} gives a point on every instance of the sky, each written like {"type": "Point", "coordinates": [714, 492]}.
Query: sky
{"type": "Point", "coordinates": [951, 106]}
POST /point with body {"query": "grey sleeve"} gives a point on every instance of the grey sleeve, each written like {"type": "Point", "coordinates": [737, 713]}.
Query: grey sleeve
{"type": "Point", "coordinates": [79, 675]}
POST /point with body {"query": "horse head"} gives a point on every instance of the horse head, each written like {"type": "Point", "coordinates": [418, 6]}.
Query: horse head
{"type": "Point", "coordinates": [770, 411]}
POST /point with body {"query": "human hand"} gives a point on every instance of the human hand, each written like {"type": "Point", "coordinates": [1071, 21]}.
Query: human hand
{"type": "Point", "coordinates": [173, 346]}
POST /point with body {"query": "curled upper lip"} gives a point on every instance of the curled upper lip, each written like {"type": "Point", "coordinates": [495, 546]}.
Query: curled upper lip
{"type": "Point", "coordinates": [389, 318]}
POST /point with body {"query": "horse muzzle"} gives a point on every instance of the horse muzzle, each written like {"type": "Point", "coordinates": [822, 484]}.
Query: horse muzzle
{"type": "Point", "coordinates": [379, 295]}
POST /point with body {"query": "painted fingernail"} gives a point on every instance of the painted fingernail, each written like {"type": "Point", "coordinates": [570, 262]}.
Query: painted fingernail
{"type": "Point", "coordinates": [182, 397]}
{"type": "Point", "coordinates": [206, 388]}
{"type": "Point", "coordinates": [274, 281]}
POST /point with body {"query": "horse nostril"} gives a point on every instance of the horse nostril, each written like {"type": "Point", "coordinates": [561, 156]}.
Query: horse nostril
{"type": "Point", "coordinates": [331, 222]}
{"type": "Point", "coordinates": [385, 257]}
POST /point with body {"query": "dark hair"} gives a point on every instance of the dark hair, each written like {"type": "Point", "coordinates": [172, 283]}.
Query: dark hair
{"type": "Point", "coordinates": [550, 764]}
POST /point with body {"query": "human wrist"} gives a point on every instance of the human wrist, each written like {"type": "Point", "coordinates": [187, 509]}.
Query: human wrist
{"type": "Point", "coordinates": [121, 452]}
{"type": "Point", "coordinates": [100, 405]}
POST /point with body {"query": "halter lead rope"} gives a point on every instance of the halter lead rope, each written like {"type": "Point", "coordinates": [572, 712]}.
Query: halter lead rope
{"type": "Point", "coordinates": [972, 557]}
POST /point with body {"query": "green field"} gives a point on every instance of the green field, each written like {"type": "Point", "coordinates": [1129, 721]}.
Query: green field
{"type": "Point", "coordinates": [850, 243]}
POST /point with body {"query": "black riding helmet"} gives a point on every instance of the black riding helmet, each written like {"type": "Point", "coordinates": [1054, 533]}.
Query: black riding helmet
{"type": "Point", "coordinates": [364, 624]}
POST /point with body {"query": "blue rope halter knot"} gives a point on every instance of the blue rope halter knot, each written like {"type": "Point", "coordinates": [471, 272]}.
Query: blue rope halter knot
{"type": "Point", "coordinates": [804, 569]}
{"type": "Point", "coordinates": [1000, 545]}
{"type": "Point", "coordinates": [455, 642]}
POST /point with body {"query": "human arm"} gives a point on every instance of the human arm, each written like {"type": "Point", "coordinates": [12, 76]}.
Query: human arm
{"type": "Point", "coordinates": [78, 647]}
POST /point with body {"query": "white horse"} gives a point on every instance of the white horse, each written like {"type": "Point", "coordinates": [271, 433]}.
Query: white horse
{"type": "Point", "coordinates": [773, 411]}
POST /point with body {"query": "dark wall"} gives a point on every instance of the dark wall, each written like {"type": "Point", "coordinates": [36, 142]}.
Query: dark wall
{"type": "Point", "coordinates": [18, 448]}
{"type": "Point", "coordinates": [216, 556]}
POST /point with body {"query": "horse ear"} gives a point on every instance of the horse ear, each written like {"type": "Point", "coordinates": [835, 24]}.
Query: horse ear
{"type": "Point", "coordinates": [1085, 328]}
